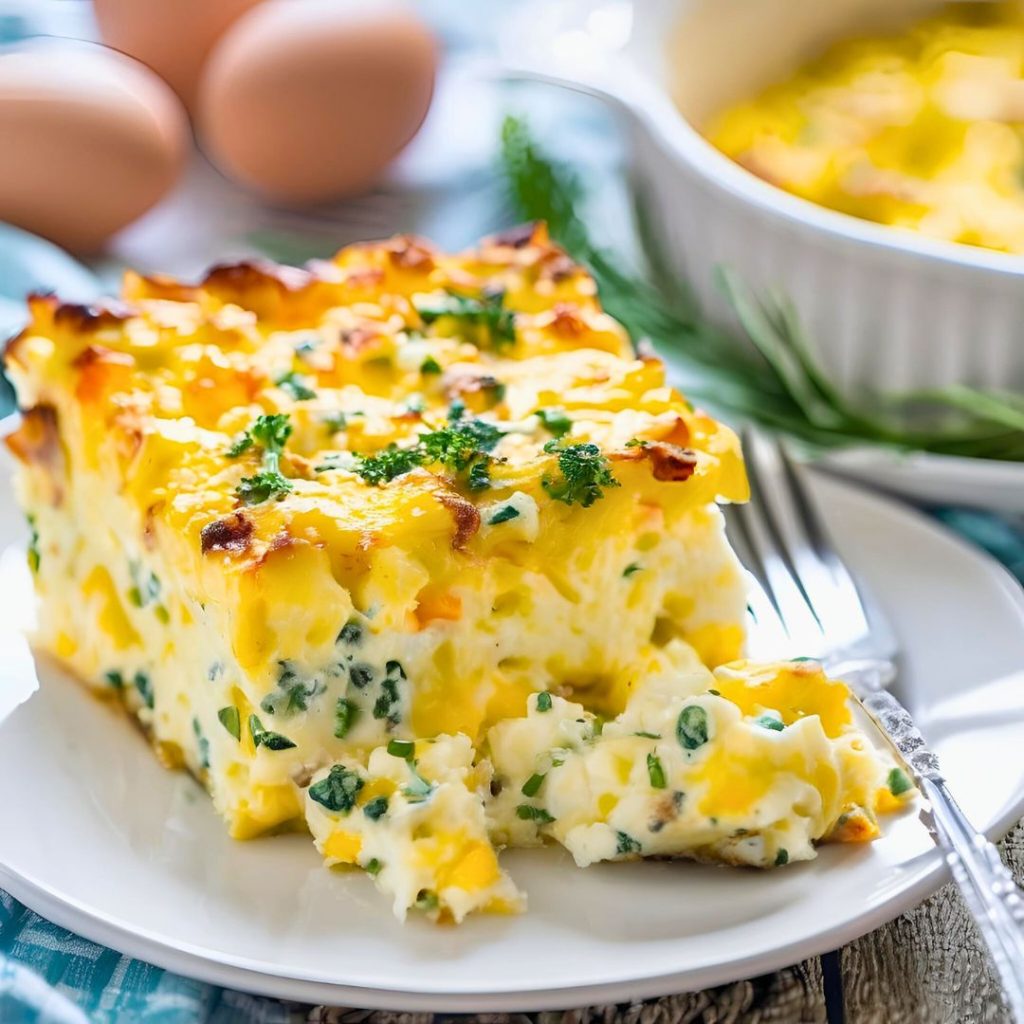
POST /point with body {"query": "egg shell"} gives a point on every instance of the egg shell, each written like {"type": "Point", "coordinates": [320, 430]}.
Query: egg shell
{"type": "Point", "coordinates": [172, 37]}
{"type": "Point", "coordinates": [309, 100]}
{"type": "Point", "coordinates": [91, 139]}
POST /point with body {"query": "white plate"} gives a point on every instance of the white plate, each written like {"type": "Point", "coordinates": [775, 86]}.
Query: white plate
{"type": "Point", "coordinates": [935, 479]}
{"type": "Point", "coordinates": [102, 840]}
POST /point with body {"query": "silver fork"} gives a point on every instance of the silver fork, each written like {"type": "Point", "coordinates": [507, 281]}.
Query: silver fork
{"type": "Point", "coordinates": [806, 602]}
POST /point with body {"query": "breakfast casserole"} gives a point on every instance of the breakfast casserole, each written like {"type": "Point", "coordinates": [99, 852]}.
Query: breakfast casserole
{"type": "Point", "coordinates": [415, 551]}
{"type": "Point", "coordinates": [923, 129]}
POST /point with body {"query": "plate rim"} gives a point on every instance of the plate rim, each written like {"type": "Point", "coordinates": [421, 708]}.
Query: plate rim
{"type": "Point", "coordinates": [224, 970]}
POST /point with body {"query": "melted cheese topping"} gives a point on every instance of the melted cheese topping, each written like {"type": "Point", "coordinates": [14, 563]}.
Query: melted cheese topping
{"type": "Point", "coordinates": [924, 130]}
{"type": "Point", "coordinates": [251, 528]}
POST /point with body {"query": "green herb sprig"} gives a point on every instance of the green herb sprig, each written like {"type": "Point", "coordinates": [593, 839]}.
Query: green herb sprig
{"type": "Point", "coordinates": [270, 434]}
{"type": "Point", "coordinates": [771, 375]}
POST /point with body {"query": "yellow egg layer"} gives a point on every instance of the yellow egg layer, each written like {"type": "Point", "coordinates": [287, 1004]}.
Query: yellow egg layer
{"type": "Point", "coordinates": [330, 534]}
{"type": "Point", "coordinates": [921, 130]}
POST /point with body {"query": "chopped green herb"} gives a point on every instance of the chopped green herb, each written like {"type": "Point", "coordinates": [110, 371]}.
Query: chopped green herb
{"type": "Point", "coordinates": [463, 448]}
{"type": "Point", "coordinates": [636, 442]}
{"type": "Point", "coordinates": [483, 322]}
{"type": "Point", "coordinates": [338, 790]}
{"type": "Point", "coordinates": [715, 693]}
{"type": "Point", "coordinates": [254, 490]}
{"type": "Point", "coordinates": [345, 714]}
{"type": "Point", "coordinates": [648, 735]}
{"type": "Point", "coordinates": [376, 809]}
{"type": "Point", "coordinates": [782, 857]}
{"type": "Point", "coordinates": [292, 695]}
{"type": "Point", "coordinates": [401, 748]}
{"type": "Point", "coordinates": [426, 900]}
{"type": "Point", "coordinates": [335, 421]}
{"type": "Point", "coordinates": [899, 782]}
{"type": "Point", "coordinates": [656, 772]}
{"type": "Point", "coordinates": [33, 544]}
{"type": "Point", "coordinates": [306, 346]}
{"type": "Point", "coordinates": [373, 866]}
{"type": "Point", "coordinates": [202, 744]}
{"type": "Point", "coordinates": [625, 844]}
{"type": "Point", "coordinates": [271, 432]}
{"type": "Point", "coordinates": [503, 515]}
{"type": "Point", "coordinates": [584, 472]}
{"type": "Point", "coordinates": [769, 722]}
{"type": "Point", "coordinates": [265, 738]}
{"type": "Point", "coordinates": [229, 718]}
{"type": "Point", "coordinates": [387, 464]}
{"type": "Point", "coordinates": [692, 727]}
{"type": "Point", "coordinates": [633, 567]}
{"type": "Point", "coordinates": [240, 447]}
{"type": "Point", "coordinates": [394, 668]}
{"type": "Point", "coordinates": [532, 785]}
{"type": "Point", "coordinates": [145, 687]}
{"type": "Point", "coordinates": [479, 478]}
{"type": "Point", "coordinates": [527, 812]}
{"type": "Point", "coordinates": [543, 701]}
{"type": "Point", "coordinates": [360, 675]}
{"type": "Point", "coordinates": [292, 384]}
{"type": "Point", "coordinates": [384, 706]}
{"type": "Point", "coordinates": [430, 366]}
{"type": "Point", "coordinates": [555, 421]}
{"type": "Point", "coordinates": [351, 633]}
{"type": "Point", "coordinates": [115, 679]}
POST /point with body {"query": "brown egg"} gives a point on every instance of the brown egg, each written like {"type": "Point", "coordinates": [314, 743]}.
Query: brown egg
{"type": "Point", "coordinates": [308, 100]}
{"type": "Point", "coordinates": [91, 141]}
{"type": "Point", "coordinates": [173, 37]}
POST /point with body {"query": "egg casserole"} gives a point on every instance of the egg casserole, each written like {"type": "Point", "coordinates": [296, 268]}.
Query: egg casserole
{"type": "Point", "coordinates": [921, 130]}
{"type": "Point", "coordinates": [413, 550]}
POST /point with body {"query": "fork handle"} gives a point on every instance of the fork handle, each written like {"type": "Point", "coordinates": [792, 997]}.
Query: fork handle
{"type": "Point", "coordinates": [988, 888]}
{"type": "Point", "coordinates": [995, 901]}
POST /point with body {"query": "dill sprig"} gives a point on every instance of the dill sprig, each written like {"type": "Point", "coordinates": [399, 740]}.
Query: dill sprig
{"type": "Point", "coordinates": [769, 376]}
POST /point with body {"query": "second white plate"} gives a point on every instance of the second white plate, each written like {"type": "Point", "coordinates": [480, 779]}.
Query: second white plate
{"type": "Point", "coordinates": [102, 840]}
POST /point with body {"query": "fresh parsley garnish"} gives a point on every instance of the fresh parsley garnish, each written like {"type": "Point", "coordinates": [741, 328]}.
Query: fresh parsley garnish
{"type": "Point", "coordinates": [584, 474]}
{"type": "Point", "coordinates": [543, 701]}
{"type": "Point", "coordinates": [295, 385]}
{"type": "Point", "coordinates": [464, 448]}
{"type": "Point", "coordinates": [383, 466]}
{"type": "Point", "coordinates": [692, 727]}
{"type": "Point", "coordinates": [270, 433]}
{"type": "Point", "coordinates": [630, 569]}
{"type": "Point", "coordinates": [782, 857]}
{"type": "Point", "coordinates": [338, 790]}
{"type": "Point", "coordinates": [555, 421]}
{"type": "Point", "coordinates": [430, 366]}
{"type": "Point", "coordinates": [230, 719]}
{"type": "Point", "coordinates": [483, 321]}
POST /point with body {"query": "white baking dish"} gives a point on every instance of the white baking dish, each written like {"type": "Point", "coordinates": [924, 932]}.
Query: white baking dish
{"type": "Point", "coordinates": [887, 310]}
